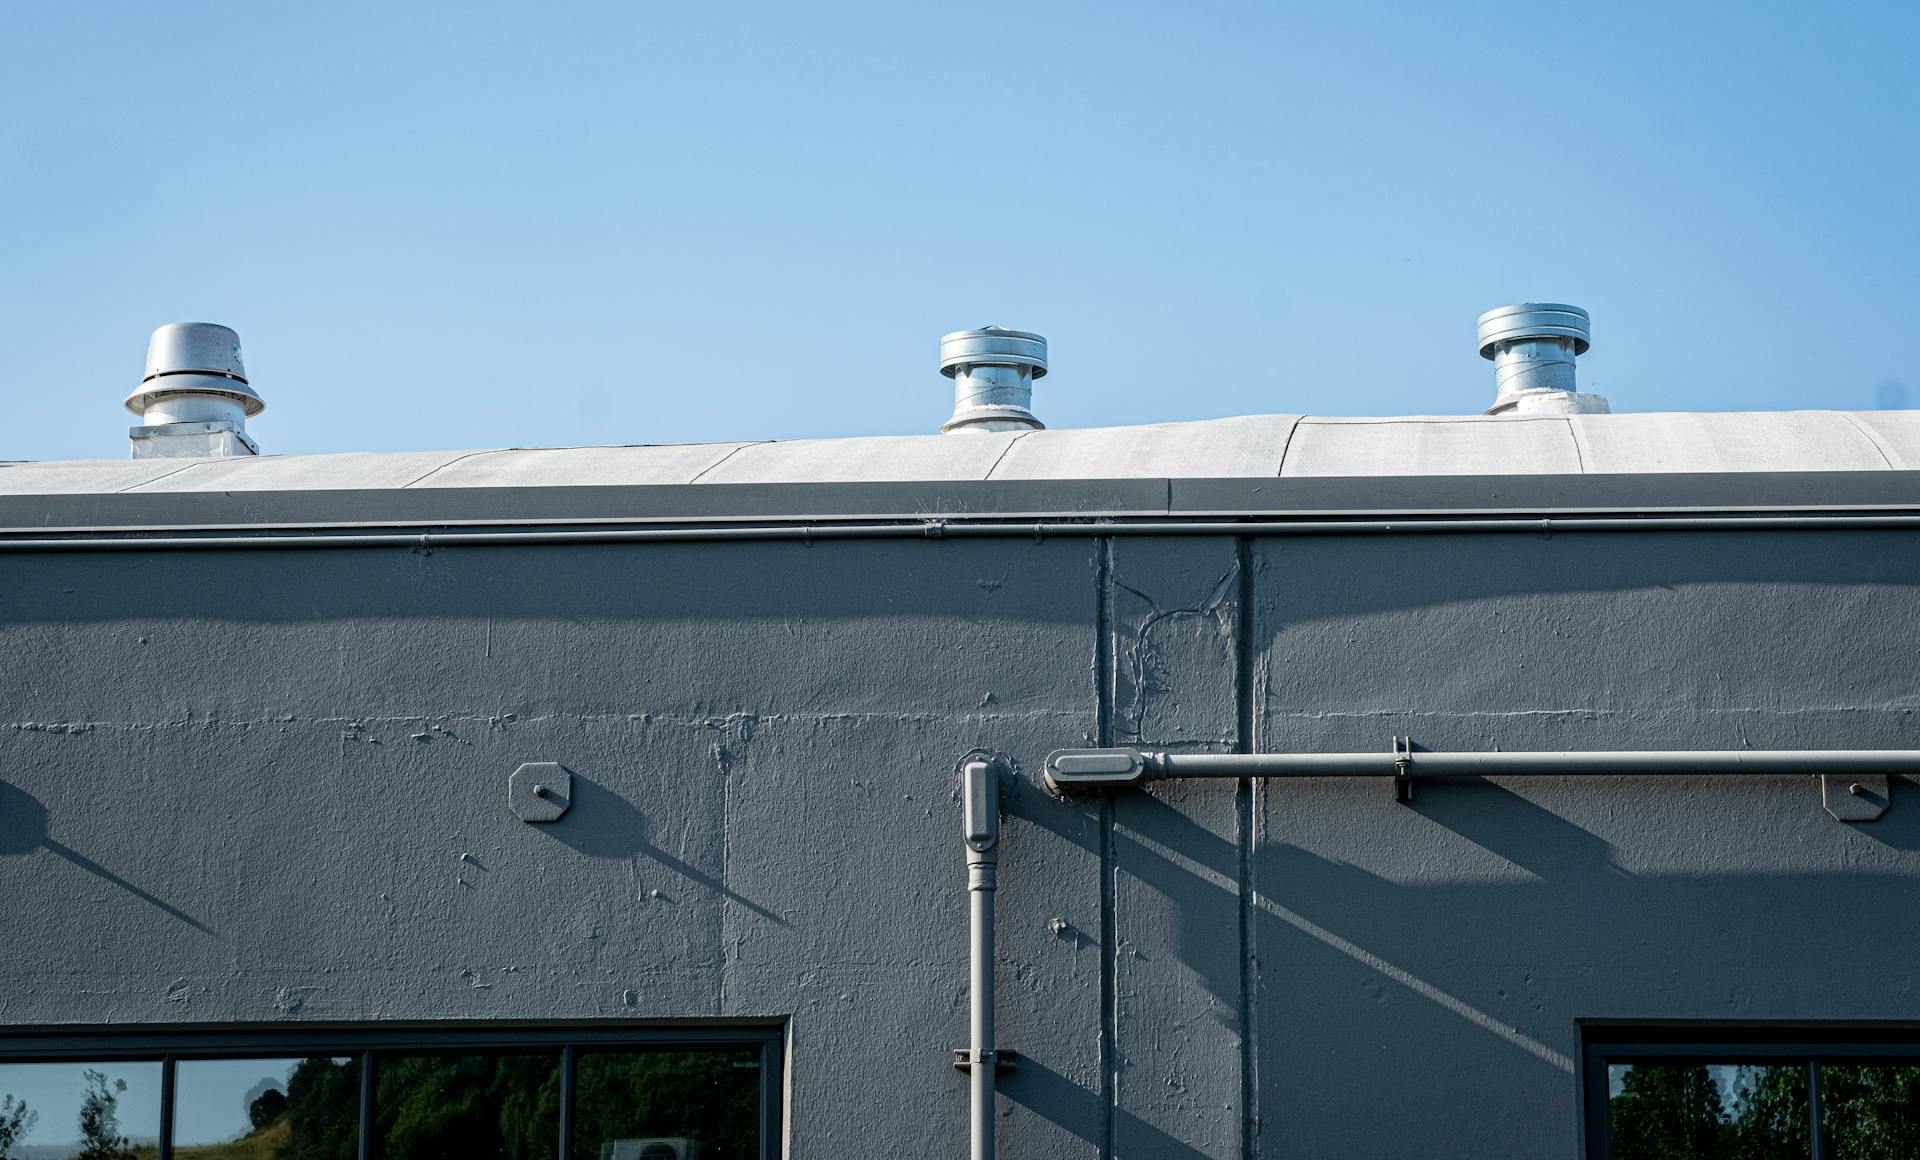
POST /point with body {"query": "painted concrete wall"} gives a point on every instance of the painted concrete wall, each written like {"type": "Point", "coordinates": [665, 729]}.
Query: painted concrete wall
{"type": "Point", "coordinates": [270, 786]}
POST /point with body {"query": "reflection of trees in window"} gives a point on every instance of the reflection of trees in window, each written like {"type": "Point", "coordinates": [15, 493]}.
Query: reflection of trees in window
{"type": "Point", "coordinates": [320, 1114]}
{"type": "Point", "coordinates": [1868, 1111]}
{"type": "Point", "coordinates": [316, 1118]}
{"type": "Point", "coordinates": [709, 1096]}
{"type": "Point", "coordinates": [1680, 1112]}
{"type": "Point", "coordinates": [16, 1120]}
{"type": "Point", "coordinates": [467, 1107]}
{"type": "Point", "coordinates": [1665, 1113]}
{"type": "Point", "coordinates": [100, 1137]}
{"type": "Point", "coordinates": [1871, 1111]}
{"type": "Point", "coordinates": [265, 1109]}
{"type": "Point", "coordinates": [1770, 1112]}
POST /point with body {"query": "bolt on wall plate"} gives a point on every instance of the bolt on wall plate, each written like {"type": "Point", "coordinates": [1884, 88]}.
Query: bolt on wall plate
{"type": "Point", "coordinates": [1856, 797]}
{"type": "Point", "coordinates": [540, 791]}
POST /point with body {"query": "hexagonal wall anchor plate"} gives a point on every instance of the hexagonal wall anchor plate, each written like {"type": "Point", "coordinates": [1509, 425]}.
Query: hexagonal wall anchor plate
{"type": "Point", "coordinates": [540, 791]}
{"type": "Point", "coordinates": [1854, 799]}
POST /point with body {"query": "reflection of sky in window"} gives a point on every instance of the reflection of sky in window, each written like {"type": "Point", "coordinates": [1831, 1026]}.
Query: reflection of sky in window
{"type": "Point", "coordinates": [55, 1090]}
{"type": "Point", "coordinates": [211, 1099]}
{"type": "Point", "coordinates": [211, 1096]}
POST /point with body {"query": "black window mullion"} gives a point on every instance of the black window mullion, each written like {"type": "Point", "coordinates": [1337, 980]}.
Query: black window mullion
{"type": "Point", "coordinates": [1816, 1111]}
{"type": "Point", "coordinates": [1597, 1106]}
{"type": "Point", "coordinates": [166, 1108]}
{"type": "Point", "coordinates": [772, 1097]}
{"type": "Point", "coordinates": [566, 1102]}
{"type": "Point", "coordinates": [366, 1151]}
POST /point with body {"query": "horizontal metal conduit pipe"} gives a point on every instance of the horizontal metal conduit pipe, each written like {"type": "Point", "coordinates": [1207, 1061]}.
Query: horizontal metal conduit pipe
{"type": "Point", "coordinates": [1559, 764]}
{"type": "Point", "coordinates": [1071, 769]}
{"type": "Point", "coordinates": [948, 529]}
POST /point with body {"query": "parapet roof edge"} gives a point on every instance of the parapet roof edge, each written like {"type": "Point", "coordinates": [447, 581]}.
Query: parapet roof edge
{"type": "Point", "coordinates": [1308, 497]}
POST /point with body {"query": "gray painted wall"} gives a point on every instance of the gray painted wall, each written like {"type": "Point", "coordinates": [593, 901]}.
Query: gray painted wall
{"type": "Point", "coordinates": [237, 786]}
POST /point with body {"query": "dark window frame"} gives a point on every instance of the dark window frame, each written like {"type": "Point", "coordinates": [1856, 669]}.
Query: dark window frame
{"type": "Point", "coordinates": [1808, 1044]}
{"type": "Point", "coordinates": [75, 1044]}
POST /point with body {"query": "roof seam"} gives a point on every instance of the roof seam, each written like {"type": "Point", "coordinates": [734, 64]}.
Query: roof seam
{"type": "Point", "coordinates": [1579, 452]}
{"type": "Point", "coordinates": [735, 450]}
{"type": "Point", "coordinates": [1872, 438]}
{"type": "Point", "coordinates": [1004, 452]}
{"type": "Point", "coordinates": [456, 459]}
{"type": "Point", "coordinates": [155, 479]}
{"type": "Point", "coordinates": [1286, 445]}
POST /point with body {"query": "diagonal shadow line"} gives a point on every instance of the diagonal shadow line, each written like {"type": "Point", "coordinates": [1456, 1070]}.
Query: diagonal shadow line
{"type": "Point", "coordinates": [1080, 1111]}
{"type": "Point", "coordinates": [1419, 986]}
{"type": "Point", "coordinates": [710, 882]}
{"type": "Point", "coordinates": [92, 867]}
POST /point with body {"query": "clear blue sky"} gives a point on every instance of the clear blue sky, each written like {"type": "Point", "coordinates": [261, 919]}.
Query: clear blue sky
{"type": "Point", "coordinates": [509, 225]}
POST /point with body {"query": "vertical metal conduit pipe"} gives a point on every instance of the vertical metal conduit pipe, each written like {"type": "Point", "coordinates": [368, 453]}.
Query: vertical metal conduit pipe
{"type": "Point", "coordinates": [980, 794]}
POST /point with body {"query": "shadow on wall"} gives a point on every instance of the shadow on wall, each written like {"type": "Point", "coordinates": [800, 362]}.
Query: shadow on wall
{"type": "Point", "coordinates": [1480, 966]}
{"type": "Point", "coordinates": [1055, 1098]}
{"type": "Point", "coordinates": [1564, 903]}
{"type": "Point", "coordinates": [1898, 830]}
{"type": "Point", "coordinates": [1488, 963]}
{"type": "Point", "coordinates": [697, 583]}
{"type": "Point", "coordinates": [602, 824]}
{"type": "Point", "coordinates": [24, 829]}
{"type": "Point", "coordinates": [1572, 565]}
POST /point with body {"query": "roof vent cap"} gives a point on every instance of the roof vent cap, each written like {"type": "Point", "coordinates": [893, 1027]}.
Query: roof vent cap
{"type": "Point", "coordinates": [1533, 347]}
{"type": "Point", "coordinates": [194, 400]}
{"type": "Point", "coordinates": [992, 371]}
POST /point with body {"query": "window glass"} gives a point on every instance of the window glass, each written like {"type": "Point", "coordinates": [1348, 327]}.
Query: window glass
{"type": "Point", "coordinates": [56, 1111]}
{"type": "Point", "coordinates": [667, 1105]}
{"type": "Point", "coordinates": [451, 1096]}
{"type": "Point", "coordinates": [266, 1109]}
{"type": "Point", "coordinates": [467, 1107]}
{"type": "Point", "coordinates": [1871, 1110]}
{"type": "Point", "coordinates": [1706, 1110]}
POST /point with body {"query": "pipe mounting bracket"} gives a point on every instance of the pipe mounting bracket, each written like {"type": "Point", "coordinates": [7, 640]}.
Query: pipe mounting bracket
{"type": "Point", "coordinates": [1003, 1060]}
{"type": "Point", "coordinates": [1860, 797]}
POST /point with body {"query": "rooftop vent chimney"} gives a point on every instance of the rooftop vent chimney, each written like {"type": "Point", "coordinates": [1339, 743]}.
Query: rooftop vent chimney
{"type": "Point", "coordinates": [992, 372]}
{"type": "Point", "coordinates": [1533, 346]}
{"type": "Point", "coordinates": [194, 401]}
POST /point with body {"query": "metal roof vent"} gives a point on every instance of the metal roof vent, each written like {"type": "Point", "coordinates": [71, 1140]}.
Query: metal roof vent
{"type": "Point", "coordinates": [1533, 346]}
{"type": "Point", "coordinates": [194, 401]}
{"type": "Point", "coordinates": [992, 371]}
